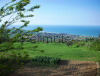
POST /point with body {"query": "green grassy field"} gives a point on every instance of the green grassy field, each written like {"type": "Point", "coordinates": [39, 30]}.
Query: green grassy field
{"type": "Point", "coordinates": [59, 50]}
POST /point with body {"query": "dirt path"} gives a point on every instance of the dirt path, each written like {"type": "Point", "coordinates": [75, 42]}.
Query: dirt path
{"type": "Point", "coordinates": [65, 68]}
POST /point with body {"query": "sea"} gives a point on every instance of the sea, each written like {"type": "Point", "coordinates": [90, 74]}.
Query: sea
{"type": "Point", "coordinates": [67, 29]}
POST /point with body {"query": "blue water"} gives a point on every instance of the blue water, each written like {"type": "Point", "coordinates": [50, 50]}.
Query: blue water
{"type": "Point", "coordinates": [75, 30]}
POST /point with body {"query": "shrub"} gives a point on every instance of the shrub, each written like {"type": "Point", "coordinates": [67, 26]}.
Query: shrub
{"type": "Point", "coordinates": [33, 41]}
{"type": "Point", "coordinates": [43, 60]}
{"type": "Point", "coordinates": [95, 45]}
{"type": "Point", "coordinates": [69, 43]}
{"type": "Point", "coordinates": [6, 46]}
{"type": "Point", "coordinates": [9, 63]}
{"type": "Point", "coordinates": [42, 51]}
{"type": "Point", "coordinates": [78, 44]}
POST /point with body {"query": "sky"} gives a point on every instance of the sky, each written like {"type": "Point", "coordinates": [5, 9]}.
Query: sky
{"type": "Point", "coordinates": [63, 12]}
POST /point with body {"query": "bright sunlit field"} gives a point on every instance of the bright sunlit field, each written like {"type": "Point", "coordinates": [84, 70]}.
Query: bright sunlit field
{"type": "Point", "coordinates": [58, 50]}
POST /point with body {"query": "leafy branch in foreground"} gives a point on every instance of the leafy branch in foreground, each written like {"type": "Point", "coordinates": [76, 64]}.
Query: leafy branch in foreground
{"type": "Point", "coordinates": [16, 10]}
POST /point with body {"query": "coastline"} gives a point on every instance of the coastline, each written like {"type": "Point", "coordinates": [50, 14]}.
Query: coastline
{"type": "Point", "coordinates": [92, 31]}
{"type": "Point", "coordinates": [66, 34]}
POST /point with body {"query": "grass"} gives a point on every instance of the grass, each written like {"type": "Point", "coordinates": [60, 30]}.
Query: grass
{"type": "Point", "coordinates": [59, 50]}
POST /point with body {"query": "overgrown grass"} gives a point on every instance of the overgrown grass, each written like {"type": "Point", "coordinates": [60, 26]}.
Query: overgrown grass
{"type": "Point", "coordinates": [10, 62]}
{"type": "Point", "coordinates": [59, 50]}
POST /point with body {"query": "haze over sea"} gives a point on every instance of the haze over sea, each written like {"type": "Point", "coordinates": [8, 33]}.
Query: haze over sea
{"type": "Point", "coordinates": [74, 30]}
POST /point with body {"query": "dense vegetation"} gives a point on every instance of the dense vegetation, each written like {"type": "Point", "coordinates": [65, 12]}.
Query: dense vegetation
{"type": "Point", "coordinates": [11, 62]}
{"type": "Point", "coordinates": [45, 61]}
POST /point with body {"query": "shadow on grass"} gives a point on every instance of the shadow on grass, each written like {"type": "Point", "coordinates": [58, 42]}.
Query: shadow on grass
{"type": "Point", "coordinates": [64, 68]}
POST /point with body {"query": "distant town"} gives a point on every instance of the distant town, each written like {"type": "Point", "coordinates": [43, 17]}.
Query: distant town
{"type": "Point", "coordinates": [55, 37]}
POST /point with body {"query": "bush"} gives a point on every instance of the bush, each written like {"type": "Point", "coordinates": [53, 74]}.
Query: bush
{"type": "Point", "coordinates": [69, 43]}
{"type": "Point", "coordinates": [9, 63]}
{"type": "Point", "coordinates": [6, 46]}
{"type": "Point", "coordinates": [78, 44]}
{"type": "Point", "coordinates": [95, 45]}
{"type": "Point", "coordinates": [33, 41]}
{"type": "Point", "coordinates": [43, 60]}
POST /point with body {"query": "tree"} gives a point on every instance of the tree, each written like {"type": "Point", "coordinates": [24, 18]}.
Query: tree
{"type": "Point", "coordinates": [16, 10]}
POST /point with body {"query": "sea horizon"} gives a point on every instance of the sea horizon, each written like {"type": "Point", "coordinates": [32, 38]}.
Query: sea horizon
{"type": "Point", "coordinates": [73, 29]}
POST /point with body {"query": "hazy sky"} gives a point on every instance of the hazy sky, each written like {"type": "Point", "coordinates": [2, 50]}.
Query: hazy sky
{"type": "Point", "coordinates": [64, 12]}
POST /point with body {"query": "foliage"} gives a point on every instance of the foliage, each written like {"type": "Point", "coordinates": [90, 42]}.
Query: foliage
{"type": "Point", "coordinates": [80, 43]}
{"type": "Point", "coordinates": [95, 45]}
{"type": "Point", "coordinates": [76, 43]}
{"type": "Point", "coordinates": [69, 43]}
{"type": "Point", "coordinates": [9, 63]}
{"type": "Point", "coordinates": [89, 39]}
{"type": "Point", "coordinates": [33, 41]}
{"type": "Point", "coordinates": [4, 46]}
{"type": "Point", "coordinates": [16, 11]}
{"type": "Point", "coordinates": [43, 60]}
